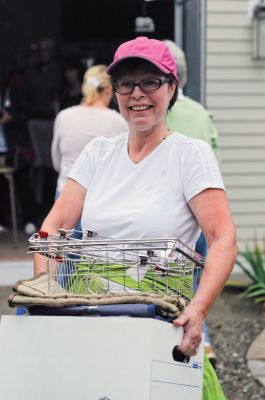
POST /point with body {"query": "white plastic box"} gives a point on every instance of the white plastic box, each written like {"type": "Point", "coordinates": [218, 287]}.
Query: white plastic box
{"type": "Point", "coordinates": [93, 358]}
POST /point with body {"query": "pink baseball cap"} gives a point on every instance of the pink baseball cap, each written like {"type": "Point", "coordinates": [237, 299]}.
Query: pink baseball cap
{"type": "Point", "coordinates": [152, 50]}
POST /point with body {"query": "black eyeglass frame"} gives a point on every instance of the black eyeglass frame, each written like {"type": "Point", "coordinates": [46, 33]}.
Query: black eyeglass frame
{"type": "Point", "coordinates": [160, 81]}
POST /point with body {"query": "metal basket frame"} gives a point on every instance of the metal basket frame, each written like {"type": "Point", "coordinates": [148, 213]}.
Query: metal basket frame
{"type": "Point", "coordinates": [95, 264]}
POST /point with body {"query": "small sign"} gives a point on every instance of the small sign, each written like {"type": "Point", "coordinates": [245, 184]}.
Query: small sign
{"type": "Point", "coordinates": [144, 24]}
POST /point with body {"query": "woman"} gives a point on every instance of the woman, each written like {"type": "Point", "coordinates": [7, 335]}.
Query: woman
{"type": "Point", "coordinates": [76, 126]}
{"type": "Point", "coordinates": [153, 182]}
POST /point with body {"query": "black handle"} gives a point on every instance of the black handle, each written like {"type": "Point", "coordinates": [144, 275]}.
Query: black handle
{"type": "Point", "coordinates": [179, 356]}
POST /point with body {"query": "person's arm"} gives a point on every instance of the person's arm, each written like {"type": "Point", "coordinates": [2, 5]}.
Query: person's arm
{"type": "Point", "coordinates": [55, 148]}
{"type": "Point", "coordinates": [210, 208]}
{"type": "Point", "coordinates": [64, 214]}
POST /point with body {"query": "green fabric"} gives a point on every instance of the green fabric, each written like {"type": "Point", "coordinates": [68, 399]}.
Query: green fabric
{"type": "Point", "coordinates": [189, 118]}
{"type": "Point", "coordinates": [87, 278]}
{"type": "Point", "coordinates": [211, 387]}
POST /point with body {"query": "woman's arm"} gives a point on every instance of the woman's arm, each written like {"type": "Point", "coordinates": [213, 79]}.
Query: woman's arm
{"type": "Point", "coordinates": [55, 147]}
{"type": "Point", "coordinates": [210, 208]}
{"type": "Point", "coordinates": [65, 213]}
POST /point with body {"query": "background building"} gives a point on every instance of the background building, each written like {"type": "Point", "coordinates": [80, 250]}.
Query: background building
{"type": "Point", "coordinates": [235, 94]}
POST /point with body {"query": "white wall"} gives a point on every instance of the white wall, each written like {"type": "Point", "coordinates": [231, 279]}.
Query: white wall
{"type": "Point", "coordinates": [235, 95]}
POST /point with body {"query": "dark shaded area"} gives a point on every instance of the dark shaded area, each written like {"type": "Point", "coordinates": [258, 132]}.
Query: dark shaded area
{"type": "Point", "coordinates": [80, 28]}
{"type": "Point", "coordinates": [45, 48]}
{"type": "Point", "coordinates": [114, 20]}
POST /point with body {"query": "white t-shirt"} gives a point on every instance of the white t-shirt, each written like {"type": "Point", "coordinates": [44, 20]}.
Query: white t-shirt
{"type": "Point", "coordinates": [76, 126]}
{"type": "Point", "coordinates": [148, 199]}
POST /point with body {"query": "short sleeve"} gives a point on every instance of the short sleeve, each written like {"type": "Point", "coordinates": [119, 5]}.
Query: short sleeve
{"type": "Point", "coordinates": [200, 170]}
{"type": "Point", "coordinates": [83, 169]}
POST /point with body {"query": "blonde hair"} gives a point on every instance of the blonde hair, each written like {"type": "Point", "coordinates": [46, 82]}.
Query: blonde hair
{"type": "Point", "coordinates": [95, 81]}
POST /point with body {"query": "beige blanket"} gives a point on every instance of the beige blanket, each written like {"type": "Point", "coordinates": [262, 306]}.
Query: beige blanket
{"type": "Point", "coordinates": [35, 291]}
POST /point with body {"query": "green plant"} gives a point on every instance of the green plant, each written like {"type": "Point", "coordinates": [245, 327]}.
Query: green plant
{"type": "Point", "coordinates": [252, 262]}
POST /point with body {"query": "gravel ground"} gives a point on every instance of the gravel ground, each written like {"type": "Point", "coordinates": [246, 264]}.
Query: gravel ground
{"type": "Point", "coordinates": [233, 324]}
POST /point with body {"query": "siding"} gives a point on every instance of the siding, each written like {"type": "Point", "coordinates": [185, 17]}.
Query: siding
{"type": "Point", "coordinates": [235, 95]}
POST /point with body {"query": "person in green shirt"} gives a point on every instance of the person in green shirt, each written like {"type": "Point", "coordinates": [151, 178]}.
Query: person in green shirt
{"type": "Point", "coordinates": [187, 116]}
{"type": "Point", "coordinates": [190, 118]}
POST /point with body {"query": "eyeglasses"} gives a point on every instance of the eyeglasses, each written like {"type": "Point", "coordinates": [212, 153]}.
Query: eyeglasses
{"type": "Point", "coordinates": [146, 85]}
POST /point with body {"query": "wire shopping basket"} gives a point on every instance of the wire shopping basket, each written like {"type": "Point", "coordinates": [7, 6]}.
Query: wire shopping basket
{"type": "Point", "coordinates": [98, 265]}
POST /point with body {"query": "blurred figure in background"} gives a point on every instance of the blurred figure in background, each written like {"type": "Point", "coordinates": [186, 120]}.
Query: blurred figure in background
{"type": "Point", "coordinates": [19, 152]}
{"type": "Point", "coordinates": [187, 116]}
{"type": "Point", "coordinates": [4, 193]}
{"type": "Point", "coordinates": [72, 88]}
{"type": "Point", "coordinates": [43, 86]}
{"type": "Point", "coordinates": [191, 119]}
{"type": "Point", "coordinates": [76, 126]}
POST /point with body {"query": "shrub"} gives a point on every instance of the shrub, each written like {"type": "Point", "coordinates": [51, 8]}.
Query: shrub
{"type": "Point", "coordinates": [252, 262]}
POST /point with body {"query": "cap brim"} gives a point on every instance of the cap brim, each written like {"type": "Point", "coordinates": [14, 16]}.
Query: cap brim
{"type": "Point", "coordinates": [114, 64]}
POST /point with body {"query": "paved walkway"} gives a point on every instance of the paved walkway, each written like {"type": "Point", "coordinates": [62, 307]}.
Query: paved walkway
{"type": "Point", "coordinates": [4, 307]}
{"type": "Point", "coordinates": [256, 358]}
{"type": "Point", "coordinates": [15, 262]}
{"type": "Point", "coordinates": [13, 270]}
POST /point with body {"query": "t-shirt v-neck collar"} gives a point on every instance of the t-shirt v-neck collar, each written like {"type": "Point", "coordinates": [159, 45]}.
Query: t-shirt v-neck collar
{"type": "Point", "coordinates": [148, 156]}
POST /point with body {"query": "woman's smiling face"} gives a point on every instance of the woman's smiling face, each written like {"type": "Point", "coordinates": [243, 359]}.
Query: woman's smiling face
{"type": "Point", "coordinates": [145, 110]}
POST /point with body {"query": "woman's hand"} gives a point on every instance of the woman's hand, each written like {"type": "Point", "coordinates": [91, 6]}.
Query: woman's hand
{"type": "Point", "coordinates": [191, 320]}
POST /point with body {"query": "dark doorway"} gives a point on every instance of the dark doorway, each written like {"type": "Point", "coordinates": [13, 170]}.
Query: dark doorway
{"type": "Point", "coordinates": [99, 26]}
